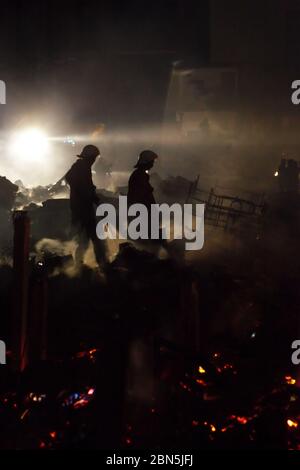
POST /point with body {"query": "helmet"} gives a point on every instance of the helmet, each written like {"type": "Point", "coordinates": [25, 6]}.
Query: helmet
{"type": "Point", "coordinates": [89, 151]}
{"type": "Point", "coordinates": [146, 156]}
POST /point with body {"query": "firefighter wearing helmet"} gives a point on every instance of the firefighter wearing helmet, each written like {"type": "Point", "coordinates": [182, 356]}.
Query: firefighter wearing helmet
{"type": "Point", "coordinates": [139, 187]}
{"type": "Point", "coordinates": [83, 198]}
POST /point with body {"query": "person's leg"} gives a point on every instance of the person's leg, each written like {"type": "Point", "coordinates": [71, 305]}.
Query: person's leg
{"type": "Point", "coordinates": [83, 243]}
{"type": "Point", "coordinates": [100, 251]}
{"type": "Point", "coordinates": [100, 248]}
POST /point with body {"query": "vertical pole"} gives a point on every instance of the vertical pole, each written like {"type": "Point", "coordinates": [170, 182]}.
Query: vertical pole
{"type": "Point", "coordinates": [20, 288]}
{"type": "Point", "coordinates": [37, 317]}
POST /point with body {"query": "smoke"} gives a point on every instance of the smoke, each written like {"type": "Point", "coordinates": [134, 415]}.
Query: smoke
{"type": "Point", "coordinates": [242, 159]}
{"type": "Point", "coordinates": [140, 378]}
{"type": "Point", "coordinates": [6, 261]}
{"type": "Point", "coordinates": [54, 247]}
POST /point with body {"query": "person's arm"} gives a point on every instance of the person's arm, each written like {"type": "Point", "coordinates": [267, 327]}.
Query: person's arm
{"type": "Point", "coordinates": [69, 177]}
{"type": "Point", "coordinates": [149, 191]}
{"type": "Point", "coordinates": [90, 188]}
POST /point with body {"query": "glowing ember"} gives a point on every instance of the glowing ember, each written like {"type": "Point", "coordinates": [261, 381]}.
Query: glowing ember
{"type": "Point", "coordinates": [24, 414]}
{"type": "Point", "coordinates": [90, 354]}
{"type": "Point", "coordinates": [201, 382]}
{"type": "Point", "coordinates": [292, 424]}
{"type": "Point", "coordinates": [289, 380]}
{"type": "Point", "coordinates": [80, 403]}
{"type": "Point", "coordinates": [242, 420]}
{"type": "Point", "coordinates": [201, 370]}
{"type": "Point", "coordinates": [211, 426]}
{"type": "Point", "coordinates": [36, 397]}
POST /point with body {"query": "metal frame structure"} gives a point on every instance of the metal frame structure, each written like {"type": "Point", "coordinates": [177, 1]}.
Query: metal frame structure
{"type": "Point", "coordinates": [228, 211]}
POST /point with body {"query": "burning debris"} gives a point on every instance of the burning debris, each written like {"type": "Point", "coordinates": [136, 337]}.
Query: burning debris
{"type": "Point", "coordinates": [197, 394]}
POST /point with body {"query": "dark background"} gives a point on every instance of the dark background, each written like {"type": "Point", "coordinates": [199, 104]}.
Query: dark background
{"type": "Point", "coordinates": [62, 51]}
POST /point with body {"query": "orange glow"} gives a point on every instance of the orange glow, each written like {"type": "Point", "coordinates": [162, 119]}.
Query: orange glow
{"type": "Point", "coordinates": [289, 380]}
{"type": "Point", "coordinates": [53, 434]}
{"type": "Point", "coordinates": [201, 370]}
{"type": "Point", "coordinates": [201, 382]}
{"type": "Point", "coordinates": [292, 424]}
{"type": "Point", "coordinates": [80, 403]}
{"type": "Point", "coordinates": [212, 427]}
{"type": "Point", "coordinates": [90, 353]}
{"type": "Point", "coordinates": [242, 420]}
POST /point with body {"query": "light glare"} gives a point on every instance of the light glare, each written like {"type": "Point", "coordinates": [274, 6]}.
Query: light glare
{"type": "Point", "coordinates": [29, 145]}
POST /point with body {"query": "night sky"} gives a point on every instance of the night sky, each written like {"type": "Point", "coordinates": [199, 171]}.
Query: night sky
{"type": "Point", "coordinates": [96, 60]}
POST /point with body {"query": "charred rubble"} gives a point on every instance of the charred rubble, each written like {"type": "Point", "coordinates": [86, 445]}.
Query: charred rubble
{"type": "Point", "coordinates": [158, 354]}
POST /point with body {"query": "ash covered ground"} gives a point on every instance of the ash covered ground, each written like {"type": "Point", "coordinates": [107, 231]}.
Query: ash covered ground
{"type": "Point", "coordinates": [183, 351]}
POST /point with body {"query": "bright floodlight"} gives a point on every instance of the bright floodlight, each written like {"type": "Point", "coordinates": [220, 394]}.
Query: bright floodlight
{"type": "Point", "coordinates": [29, 145]}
